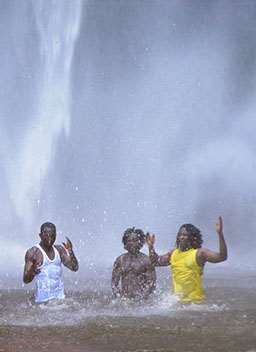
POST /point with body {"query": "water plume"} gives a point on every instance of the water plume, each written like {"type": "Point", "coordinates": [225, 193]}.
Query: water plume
{"type": "Point", "coordinates": [58, 27]}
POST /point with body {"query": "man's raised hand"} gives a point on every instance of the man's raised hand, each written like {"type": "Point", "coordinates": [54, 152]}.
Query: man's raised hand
{"type": "Point", "coordinates": [68, 244]}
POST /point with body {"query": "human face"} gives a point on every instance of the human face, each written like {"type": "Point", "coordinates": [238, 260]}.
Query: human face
{"type": "Point", "coordinates": [48, 237]}
{"type": "Point", "coordinates": [133, 244]}
{"type": "Point", "coordinates": [183, 239]}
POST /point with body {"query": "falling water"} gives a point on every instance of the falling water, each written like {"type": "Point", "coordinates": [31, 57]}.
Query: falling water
{"type": "Point", "coordinates": [162, 132]}
{"type": "Point", "coordinates": [58, 27]}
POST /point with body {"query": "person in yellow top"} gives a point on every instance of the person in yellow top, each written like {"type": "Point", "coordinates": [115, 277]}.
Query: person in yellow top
{"type": "Point", "coordinates": [188, 259]}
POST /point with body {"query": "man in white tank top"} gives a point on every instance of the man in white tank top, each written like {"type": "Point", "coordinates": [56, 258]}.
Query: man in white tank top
{"type": "Point", "coordinates": [44, 263]}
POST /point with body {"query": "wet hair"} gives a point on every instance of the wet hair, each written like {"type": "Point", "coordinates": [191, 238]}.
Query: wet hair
{"type": "Point", "coordinates": [48, 224]}
{"type": "Point", "coordinates": [128, 232]}
{"type": "Point", "coordinates": [195, 235]}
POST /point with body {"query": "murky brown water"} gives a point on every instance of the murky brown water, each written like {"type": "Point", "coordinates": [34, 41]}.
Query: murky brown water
{"type": "Point", "coordinates": [91, 321]}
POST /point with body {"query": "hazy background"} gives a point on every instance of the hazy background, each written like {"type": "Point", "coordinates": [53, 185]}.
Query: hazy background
{"type": "Point", "coordinates": [126, 113]}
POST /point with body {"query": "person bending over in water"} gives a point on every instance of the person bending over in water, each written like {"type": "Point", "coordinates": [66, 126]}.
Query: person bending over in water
{"type": "Point", "coordinates": [137, 274]}
{"type": "Point", "coordinates": [187, 260]}
{"type": "Point", "coordinates": [44, 263]}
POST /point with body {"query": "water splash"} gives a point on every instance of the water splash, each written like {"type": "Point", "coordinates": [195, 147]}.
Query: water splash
{"type": "Point", "coordinates": [58, 25]}
{"type": "Point", "coordinates": [84, 306]}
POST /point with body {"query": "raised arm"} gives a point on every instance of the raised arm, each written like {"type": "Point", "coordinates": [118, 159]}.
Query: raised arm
{"type": "Point", "coordinates": [206, 255]}
{"type": "Point", "coordinates": [157, 260]}
{"type": "Point", "coordinates": [31, 265]}
{"type": "Point", "coordinates": [116, 275]}
{"type": "Point", "coordinates": [67, 255]}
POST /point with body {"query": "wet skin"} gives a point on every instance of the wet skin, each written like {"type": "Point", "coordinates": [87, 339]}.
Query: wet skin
{"type": "Point", "coordinates": [203, 254]}
{"type": "Point", "coordinates": [34, 257]}
{"type": "Point", "coordinates": [183, 240]}
{"type": "Point", "coordinates": [134, 269]}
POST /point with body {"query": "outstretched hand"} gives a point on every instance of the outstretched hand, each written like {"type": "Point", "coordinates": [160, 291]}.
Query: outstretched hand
{"type": "Point", "coordinates": [68, 244]}
{"type": "Point", "coordinates": [150, 239]}
{"type": "Point", "coordinates": [219, 226]}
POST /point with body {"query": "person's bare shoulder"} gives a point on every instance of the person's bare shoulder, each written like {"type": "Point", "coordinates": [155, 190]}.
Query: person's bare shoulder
{"type": "Point", "coordinates": [122, 256]}
{"type": "Point", "coordinates": [60, 249]}
{"type": "Point", "coordinates": [202, 255]}
{"type": "Point", "coordinates": [119, 259]}
{"type": "Point", "coordinates": [33, 251]}
{"type": "Point", "coordinates": [202, 252]}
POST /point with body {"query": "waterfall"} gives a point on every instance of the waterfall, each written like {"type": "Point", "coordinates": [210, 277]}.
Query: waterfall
{"type": "Point", "coordinates": [58, 25]}
{"type": "Point", "coordinates": [160, 120]}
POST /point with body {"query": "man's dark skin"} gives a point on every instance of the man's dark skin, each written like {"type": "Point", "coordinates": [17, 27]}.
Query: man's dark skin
{"type": "Point", "coordinates": [137, 274]}
{"type": "Point", "coordinates": [203, 255]}
{"type": "Point", "coordinates": [187, 270]}
{"type": "Point", "coordinates": [34, 257]}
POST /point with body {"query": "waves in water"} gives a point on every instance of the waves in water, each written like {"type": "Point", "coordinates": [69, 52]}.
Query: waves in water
{"type": "Point", "coordinates": [19, 309]}
{"type": "Point", "coordinates": [89, 320]}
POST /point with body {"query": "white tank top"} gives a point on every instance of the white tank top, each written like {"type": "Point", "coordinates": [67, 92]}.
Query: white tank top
{"type": "Point", "coordinates": [49, 283]}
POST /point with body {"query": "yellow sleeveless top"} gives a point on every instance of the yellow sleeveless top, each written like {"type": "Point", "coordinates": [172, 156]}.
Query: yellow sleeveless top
{"type": "Point", "coordinates": [186, 276]}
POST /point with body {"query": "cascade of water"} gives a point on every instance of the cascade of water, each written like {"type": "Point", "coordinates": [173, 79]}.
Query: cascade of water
{"type": "Point", "coordinates": [168, 94]}
{"type": "Point", "coordinates": [58, 26]}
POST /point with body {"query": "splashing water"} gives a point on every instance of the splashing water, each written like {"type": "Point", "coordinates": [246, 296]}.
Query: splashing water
{"type": "Point", "coordinates": [83, 306]}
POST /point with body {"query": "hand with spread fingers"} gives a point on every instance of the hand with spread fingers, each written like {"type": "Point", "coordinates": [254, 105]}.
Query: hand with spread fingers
{"type": "Point", "coordinates": [150, 239]}
{"type": "Point", "coordinates": [44, 262]}
{"type": "Point", "coordinates": [68, 244]}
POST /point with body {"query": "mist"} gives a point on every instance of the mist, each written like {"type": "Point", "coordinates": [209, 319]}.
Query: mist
{"type": "Point", "coordinates": [126, 113]}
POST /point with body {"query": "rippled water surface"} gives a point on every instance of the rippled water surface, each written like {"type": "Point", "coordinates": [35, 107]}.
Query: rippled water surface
{"type": "Point", "coordinates": [89, 320]}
